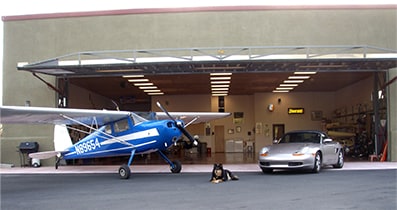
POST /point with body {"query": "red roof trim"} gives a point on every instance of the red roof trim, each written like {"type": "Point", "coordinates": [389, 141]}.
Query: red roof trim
{"type": "Point", "coordinates": [190, 9]}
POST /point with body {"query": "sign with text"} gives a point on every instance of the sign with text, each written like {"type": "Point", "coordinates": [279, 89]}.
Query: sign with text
{"type": "Point", "coordinates": [296, 110]}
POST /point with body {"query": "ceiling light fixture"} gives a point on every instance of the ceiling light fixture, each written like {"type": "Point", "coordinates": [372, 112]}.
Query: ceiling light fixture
{"type": "Point", "coordinates": [293, 81]}
{"type": "Point", "coordinates": [133, 76]}
{"type": "Point", "coordinates": [220, 78]}
{"type": "Point", "coordinates": [144, 84]}
{"type": "Point", "coordinates": [298, 77]}
{"type": "Point", "coordinates": [305, 72]}
{"type": "Point", "coordinates": [138, 80]}
{"type": "Point", "coordinates": [284, 88]}
{"type": "Point", "coordinates": [147, 87]}
{"type": "Point", "coordinates": [220, 82]}
{"type": "Point", "coordinates": [288, 85]}
{"type": "Point", "coordinates": [221, 74]}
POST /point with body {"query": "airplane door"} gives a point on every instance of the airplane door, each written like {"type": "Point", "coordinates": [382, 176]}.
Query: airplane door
{"type": "Point", "coordinates": [219, 138]}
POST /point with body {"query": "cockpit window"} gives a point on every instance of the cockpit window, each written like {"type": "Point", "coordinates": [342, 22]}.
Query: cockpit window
{"type": "Point", "coordinates": [121, 125]}
{"type": "Point", "coordinates": [136, 119]}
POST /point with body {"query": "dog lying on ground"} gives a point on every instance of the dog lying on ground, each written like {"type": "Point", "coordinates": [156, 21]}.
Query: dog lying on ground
{"type": "Point", "coordinates": [219, 174]}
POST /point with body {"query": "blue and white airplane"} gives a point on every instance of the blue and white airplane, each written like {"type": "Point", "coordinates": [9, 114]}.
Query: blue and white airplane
{"type": "Point", "coordinates": [113, 133]}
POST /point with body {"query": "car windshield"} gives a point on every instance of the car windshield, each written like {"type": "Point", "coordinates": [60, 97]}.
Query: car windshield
{"type": "Point", "coordinates": [301, 138]}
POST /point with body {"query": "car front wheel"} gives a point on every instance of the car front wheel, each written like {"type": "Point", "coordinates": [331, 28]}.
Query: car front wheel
{"type": "Point", "coordinates": [317, 163]}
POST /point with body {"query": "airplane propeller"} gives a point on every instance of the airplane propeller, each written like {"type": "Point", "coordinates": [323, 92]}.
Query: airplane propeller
{"type": "Point", "coordinates": [179, 125]}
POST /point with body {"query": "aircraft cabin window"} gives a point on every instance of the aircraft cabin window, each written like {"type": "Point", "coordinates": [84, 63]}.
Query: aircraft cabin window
{"type": "Point", "coordinates": [108, 129]}
{"type": "Point", "coordinates": [121, 126]}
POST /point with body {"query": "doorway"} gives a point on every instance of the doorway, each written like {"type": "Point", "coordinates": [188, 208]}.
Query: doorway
{"type": "Point", "coordinates": [219, 138]}
{"type": "Point", "coordinates": [278, 131]}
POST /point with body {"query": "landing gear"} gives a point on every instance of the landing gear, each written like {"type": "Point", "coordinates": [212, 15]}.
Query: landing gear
{"type": "Point", "coordinates": [58, 159]}
{"type": "Point", "coordinates": [175, 166]}
{"type": "Point", "coordinates": [124, 170]}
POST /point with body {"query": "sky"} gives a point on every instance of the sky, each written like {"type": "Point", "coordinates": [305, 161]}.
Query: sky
{"type": "Point", "coordinates": [25, 7]}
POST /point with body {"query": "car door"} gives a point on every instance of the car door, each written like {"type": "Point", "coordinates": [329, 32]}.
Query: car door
{"type": "Point", "coordinates": [329, 151]}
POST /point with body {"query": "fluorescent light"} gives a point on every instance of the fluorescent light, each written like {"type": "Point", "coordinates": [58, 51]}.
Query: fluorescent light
{"type": "Point", "coordinates": [219, 94]}
{"type": "Point", "coordinates": [220, 74]}
{"type": "Point", "coordinates": [220, 82]}
{"type": "Point", "coordinates": [147, 87]}
{"type": "Point", "coordinates": [284, 88]}
{"type": "Point", "coordinates": [217, 89]}
{"type": "Point", "coordinates": [159, 93]}
{"type": "Point", "coordinates": [305, 72]}
{"type": "Point", "coordinates": [133, 76]}
{"type": "Point", "coordinates": [220, 78]}
{"type": "Point", "coordinates": [152, 91]}
{"type": "Point", "coordinates": [138, 80]}
{"type": "Point", "coordinates": [220, 86]}
{"type": "Point", "coordinates": [280, 91]}
{"type": "Point", "coordinates": [143, 84]}
{"type": "Point", "coordinates": [288, 85]}
{"type": "Point", "coordinates": [298, 77]}
{"type": "Point", "coordinates": [293, 81]}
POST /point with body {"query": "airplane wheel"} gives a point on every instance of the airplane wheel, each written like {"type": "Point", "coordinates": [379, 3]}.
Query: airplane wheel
{"type": "Point", "coordinates": [177, 167]}
{"type": "Point", "coordinates": [124, 172]}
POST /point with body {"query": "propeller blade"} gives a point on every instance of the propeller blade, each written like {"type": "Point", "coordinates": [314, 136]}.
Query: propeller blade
{"type": "Point", "coordinates": [165, 111]}
{"type": "Point", "coordinates": [178, 125]}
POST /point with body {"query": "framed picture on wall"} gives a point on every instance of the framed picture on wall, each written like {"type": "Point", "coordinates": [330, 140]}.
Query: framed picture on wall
{"type": "Point", "coordinates": [238, 129]}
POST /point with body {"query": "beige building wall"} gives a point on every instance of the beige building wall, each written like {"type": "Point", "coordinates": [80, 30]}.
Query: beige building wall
{"type": "Point", "coordinates": [30, 40]}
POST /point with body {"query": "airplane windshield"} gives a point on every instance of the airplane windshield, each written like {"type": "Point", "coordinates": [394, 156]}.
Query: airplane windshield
{"type": "Point", "coordinates": [137, 119]}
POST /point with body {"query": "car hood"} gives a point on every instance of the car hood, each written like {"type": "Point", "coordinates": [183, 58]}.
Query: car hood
{"type": "Point", "coordinates": [289, 147]}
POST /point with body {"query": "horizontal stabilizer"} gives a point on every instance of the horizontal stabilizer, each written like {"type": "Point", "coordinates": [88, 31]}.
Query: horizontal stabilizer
{"type": "Point", "coordinates": [43, 155]}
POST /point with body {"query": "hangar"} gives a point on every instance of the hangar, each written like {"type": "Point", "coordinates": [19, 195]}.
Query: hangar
{"type": "Point", "coordinates": [345, 59]}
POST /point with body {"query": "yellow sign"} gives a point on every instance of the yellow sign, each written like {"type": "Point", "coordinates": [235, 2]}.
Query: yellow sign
{"type": "Point", "coordinates": [296, 110]}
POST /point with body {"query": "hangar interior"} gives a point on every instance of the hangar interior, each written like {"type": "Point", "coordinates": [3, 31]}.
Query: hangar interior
{"type": "Point", "coordinates": [333, 86]}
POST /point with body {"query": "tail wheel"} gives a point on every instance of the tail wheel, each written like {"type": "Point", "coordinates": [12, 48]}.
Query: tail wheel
{"type": "Point", "coordinates": [124, 171]}
{"type": "Point", "coordinates": [317, 163]}
{"type": "Point", "coordinates": [176, 167]}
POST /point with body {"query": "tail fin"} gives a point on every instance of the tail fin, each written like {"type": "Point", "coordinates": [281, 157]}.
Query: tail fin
{"type": "Point", "coordinates": [62, 139]}
{"type": "Point", "coordinates": [62, 142]}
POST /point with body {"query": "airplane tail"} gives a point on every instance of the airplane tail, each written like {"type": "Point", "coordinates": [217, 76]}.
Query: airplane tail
{"type": "Point", "coordinates": [62, 139]}
{"type": "Point", "coordinates": [62, 142]}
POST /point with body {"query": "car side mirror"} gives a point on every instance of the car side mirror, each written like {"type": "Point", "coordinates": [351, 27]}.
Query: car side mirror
{"type": "Point", "coordinates": [327, 141]}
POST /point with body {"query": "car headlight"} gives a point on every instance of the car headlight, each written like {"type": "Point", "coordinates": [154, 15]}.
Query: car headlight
{"type": "Point", "coordinates": [264, 152]}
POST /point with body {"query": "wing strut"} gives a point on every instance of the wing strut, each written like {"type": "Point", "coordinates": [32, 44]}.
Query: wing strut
{"type": "Point", "coordinates": [97, 130]}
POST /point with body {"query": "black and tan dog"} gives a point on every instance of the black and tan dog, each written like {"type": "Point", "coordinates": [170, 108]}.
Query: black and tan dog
{"type": "Point", "coordinates": [219, 174]}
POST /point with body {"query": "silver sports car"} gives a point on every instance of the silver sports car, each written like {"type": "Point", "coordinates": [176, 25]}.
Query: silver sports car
{"type": "Point", "coordinates": [301, 150]}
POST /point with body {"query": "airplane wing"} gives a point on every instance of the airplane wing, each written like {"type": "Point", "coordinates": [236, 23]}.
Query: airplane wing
{"type": "Point", "coordinates": [189, 116]}
{"type": "Point", "coordinates": [47, 115]}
